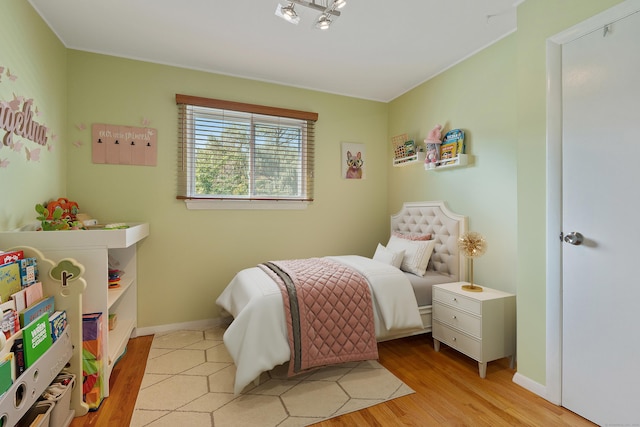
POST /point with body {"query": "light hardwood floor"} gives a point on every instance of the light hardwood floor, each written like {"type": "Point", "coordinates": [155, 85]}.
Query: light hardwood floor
{"type": "Point", "coordinates": [448, 389]}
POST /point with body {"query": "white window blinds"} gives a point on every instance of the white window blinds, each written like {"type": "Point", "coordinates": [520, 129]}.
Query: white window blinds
{"type": "Point", "coordinates": [234, 151]}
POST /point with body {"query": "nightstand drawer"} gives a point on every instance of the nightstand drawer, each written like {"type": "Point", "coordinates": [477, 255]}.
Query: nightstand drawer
{"type": "Point", "coordinates": [457, 300]}
{"type": "Point", "coordinates": [457, 340]}
{"type": "Point", "coordinates": [458, 319]}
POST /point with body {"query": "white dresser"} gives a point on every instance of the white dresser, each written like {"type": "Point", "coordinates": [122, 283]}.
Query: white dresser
{"type": "Point", "coordinates": [481, 325]}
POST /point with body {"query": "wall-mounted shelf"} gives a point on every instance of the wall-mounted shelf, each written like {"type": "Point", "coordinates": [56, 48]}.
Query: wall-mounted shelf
{"type": "Point", "coordinates": [406, 161]}
{"type": "Point", "coordinates": [459, 160]}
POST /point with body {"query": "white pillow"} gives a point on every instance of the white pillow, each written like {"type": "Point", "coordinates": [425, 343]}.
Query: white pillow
{"type": "Point", "coordinates": [416, 253]}
{"type": "Point", "coordinates": [388, 257]}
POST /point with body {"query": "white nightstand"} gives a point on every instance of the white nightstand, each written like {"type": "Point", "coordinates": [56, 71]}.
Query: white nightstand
{"type": "Point", "coordinates": [481, 325]}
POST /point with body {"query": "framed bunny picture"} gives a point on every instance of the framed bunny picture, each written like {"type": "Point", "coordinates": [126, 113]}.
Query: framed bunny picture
{"type": "Point", "coordinates": [353, 161]}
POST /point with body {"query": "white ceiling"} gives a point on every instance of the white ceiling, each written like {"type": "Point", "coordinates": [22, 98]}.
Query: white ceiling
{"type": "Point", "coordinates": [376, 50]}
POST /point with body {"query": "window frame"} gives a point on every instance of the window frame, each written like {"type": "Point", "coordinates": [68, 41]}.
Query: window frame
{"type": "Point", "coordinates": [186, 181]}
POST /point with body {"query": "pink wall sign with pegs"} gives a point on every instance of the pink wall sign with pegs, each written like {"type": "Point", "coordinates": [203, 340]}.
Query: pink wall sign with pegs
{"type": "Point", "coordinates": [124, 145]}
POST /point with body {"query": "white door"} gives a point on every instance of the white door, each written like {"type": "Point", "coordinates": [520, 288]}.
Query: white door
{"type": "Point", "coordinates": [601, 200]}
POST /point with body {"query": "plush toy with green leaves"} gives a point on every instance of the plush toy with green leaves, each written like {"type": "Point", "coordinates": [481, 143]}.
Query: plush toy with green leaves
{"type": "Point", "coordinates": [54, 220]}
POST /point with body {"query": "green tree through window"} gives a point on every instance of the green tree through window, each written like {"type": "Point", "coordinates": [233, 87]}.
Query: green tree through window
{"type": "Point", "coordinates": [242, 155]}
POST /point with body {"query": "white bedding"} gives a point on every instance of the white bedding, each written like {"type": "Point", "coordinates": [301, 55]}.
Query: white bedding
{"type": "Point", "coordinates": [257, 337]}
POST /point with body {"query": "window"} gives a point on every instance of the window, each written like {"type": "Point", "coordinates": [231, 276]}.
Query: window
{"type": "Point", "coordinates": [243, 152]}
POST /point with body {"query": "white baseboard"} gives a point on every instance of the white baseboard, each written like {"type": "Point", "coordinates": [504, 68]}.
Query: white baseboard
{"type": "Point", "coordinates": [195, 325]}
{"type": "Point", "coordinates": [532, 386]}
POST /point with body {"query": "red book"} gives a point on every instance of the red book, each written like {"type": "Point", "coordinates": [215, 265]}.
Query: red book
{"type": "Point", "coordinates": [11, 256]}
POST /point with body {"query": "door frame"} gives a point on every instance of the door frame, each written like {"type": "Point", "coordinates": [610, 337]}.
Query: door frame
{"type": "Point", "coordinates": [553, 388]}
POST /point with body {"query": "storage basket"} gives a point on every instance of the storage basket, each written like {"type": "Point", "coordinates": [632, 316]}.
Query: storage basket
{"type": "Point", "coordinates": [43, 409]}
{"type": "Point", "coordinates": [61, 415]}
{"type": "Point", "coordinates": [398, 141]}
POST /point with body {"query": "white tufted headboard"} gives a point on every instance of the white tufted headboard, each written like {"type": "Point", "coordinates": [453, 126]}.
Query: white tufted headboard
{"type": "Point", "coordinates": [445, 227]}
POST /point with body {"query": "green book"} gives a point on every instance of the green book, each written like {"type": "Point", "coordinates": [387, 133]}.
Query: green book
{"type": "Point", "coordinates": [37, 339]}
{"type": "Point", "coordinates": [6, 373]}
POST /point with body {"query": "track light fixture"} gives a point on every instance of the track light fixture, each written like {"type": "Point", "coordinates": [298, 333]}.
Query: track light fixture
{"type": "Point", "coordinates": [328, 8]}
{"type": "Point", "coordinates": [323, 22]}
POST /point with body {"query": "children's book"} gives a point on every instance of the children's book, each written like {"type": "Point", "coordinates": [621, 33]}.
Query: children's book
{"type": "Point", "coordinates": [58, 321]}
{"type": "Point", "coordinates": [9, 323]}
{"type": "Point", "coordinates": [37, 339]}
{"type": "Point", "coordinates": [7, 372]}
{"type": "Point", "coordinates": [29, 314]}
{"type": "Point", "coordinates": [10, 256]}
{"type": "Point", "coordinates": [448, 151]}
{"type": "Point", "coordinates": [33, 293]}
{"type": "Point", "coordinates": [455, 136]}
{"type": "Point", "coordinates": [28, 271]}
{"type": "Point", "coordinates": [9, 280]}
{"type": "Point", "coordinates": [20, 300]}
{"type": "Point", "coordinates": [18, 353]}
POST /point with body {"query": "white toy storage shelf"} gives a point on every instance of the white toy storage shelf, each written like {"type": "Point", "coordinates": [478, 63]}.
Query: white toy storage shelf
{"type": "Point", "coordinates": [96, 249]}
{"type": "Point", "coordinates": [65, 353]}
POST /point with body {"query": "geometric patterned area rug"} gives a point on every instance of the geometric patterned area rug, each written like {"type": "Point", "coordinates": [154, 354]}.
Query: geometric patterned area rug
{"type": "Point", "coordinates": [189, 381]}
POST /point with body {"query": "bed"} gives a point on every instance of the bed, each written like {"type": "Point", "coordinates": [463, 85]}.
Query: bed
{"type": "Point", "coordinates": [258, 337]}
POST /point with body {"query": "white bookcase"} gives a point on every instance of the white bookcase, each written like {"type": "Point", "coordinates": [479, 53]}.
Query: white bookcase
{"type": "Point", "coordinates": [94, 248]}
{"type": "Point", "coordinates": [65, 353]}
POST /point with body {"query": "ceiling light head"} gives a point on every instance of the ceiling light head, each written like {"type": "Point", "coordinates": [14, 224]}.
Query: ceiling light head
{"type": "Point", "coordinates": [288, 13]}
{"type": "Point", "coordinates": [339, 4]}
{"type": "Point", "coordinates": [323, 22]}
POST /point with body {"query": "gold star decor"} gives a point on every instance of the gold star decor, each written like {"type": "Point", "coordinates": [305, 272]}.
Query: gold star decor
{"type": "Point", "coordinates": [472, 245]}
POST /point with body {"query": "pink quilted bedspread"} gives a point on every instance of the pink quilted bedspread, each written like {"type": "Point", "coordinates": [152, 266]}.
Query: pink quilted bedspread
{"type": "Point", "coordinates": [329, 312]}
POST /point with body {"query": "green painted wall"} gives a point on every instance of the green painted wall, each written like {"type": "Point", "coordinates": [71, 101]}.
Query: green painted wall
{"type": "Point", "coordinates": [190, 256]}
{"type": "Point", "coordinates": [479, 96]}
{"type": "Point", "coordinates": [34, 55]}
{"type": "Point", "coordinates": [498, 96]}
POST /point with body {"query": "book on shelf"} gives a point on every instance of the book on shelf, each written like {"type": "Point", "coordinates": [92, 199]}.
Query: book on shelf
{"type": "Point", "coordinates": [33, 293]}
{"type": "Point", "coordinates": [455, 136]}
{"type": "Point", "coordinates": [9, 323]}
{"type": "Point", "coordinates": [9, 305]}
{"type": "Point", "coordinates": [448, 152]}
{"type": "Point", "coordinates": [31, 313]}
{"type": "Point", "coordinates": [36, 338]}
{"type": "Point", "coordinates": [28, 271]}
{"type": "Point", "coordinates": [9, 257]}
{"type": "Point", "coordinates": [58, 322]}
{"type": "Point", "coordinates": [9, 280]}
{"type": "Point", "coordinates": [20, 299]}
{"type": "Point", "coordinates": [7, 372]}
{"type": "Point", "coordinates": [18, 354]}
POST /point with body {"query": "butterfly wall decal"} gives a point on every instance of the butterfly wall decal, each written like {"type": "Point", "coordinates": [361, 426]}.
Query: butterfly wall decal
{"type": "Point", "coordinates": [11, 77]}
{"type": "Point", "coordinates": [4, 163]}
{"type": "Point", "coordinates": [32, 155]}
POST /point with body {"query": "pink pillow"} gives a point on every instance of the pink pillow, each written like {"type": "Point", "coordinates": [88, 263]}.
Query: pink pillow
{"type": "Point", "coordinates": [409, 236]}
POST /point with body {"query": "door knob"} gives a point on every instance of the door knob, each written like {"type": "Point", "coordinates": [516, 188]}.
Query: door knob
{"type": "Point", "coordinates": [574, 238]}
